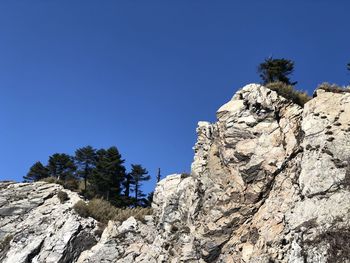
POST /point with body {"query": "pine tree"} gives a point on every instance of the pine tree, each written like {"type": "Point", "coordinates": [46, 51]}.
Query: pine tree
{"type": "Point", "coordinates": [108, 175]}
{"type": "Point", "coordinates": [128, 182]}
{"type": "Point", "coordinates": [139, 174]}
{"type": "Point", "coordinates": [98, 182]}
{"type": "Point", "coordinates": [61, 166]}
{"type": "Point", "coordinates": [115, 171]}
{"type": "Point", "coordinates": [274, 70]}
{"type": "Point", "coordinates": [37, 172]}
{"type": "Point", "coordinates": [85, 159]}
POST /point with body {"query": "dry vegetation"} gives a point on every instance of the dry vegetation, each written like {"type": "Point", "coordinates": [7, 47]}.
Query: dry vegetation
{"type": "Point", "coordinates": [63, 196]}
{"type": "Point", "coordinates": [50, 180]}
{"type": "Point", "coordinates": [333, 88]}
{"type": "Point", "coordinates": [288, 92]}
{"type": "Point", "coordinates": [103, 211]}
{"type": "Point", "coordinates": [70, 184]}
{"type": "Point", "coordinates": [5, 242]}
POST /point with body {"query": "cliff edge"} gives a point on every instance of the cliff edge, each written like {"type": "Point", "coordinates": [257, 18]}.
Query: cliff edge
{"type": "Point", "coordinates": [270, 182]}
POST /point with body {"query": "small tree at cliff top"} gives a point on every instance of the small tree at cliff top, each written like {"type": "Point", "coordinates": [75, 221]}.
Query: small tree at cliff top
{"type": "Point", "coordinates": [37, 172]}
{"type": "Point", "coordinates": [61, 166]}
{"type": "Point", "coordinates": [139, 174]}
{"type": "Point", "coordinates": [276, 70]}
{"type": "Point", "coordinates": [108, 175]}
{"type": "Point", "coordinates": [85, 159]}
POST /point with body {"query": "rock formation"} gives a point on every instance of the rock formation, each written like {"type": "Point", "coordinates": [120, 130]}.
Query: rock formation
{"type": "Point", "coordinates": [36, 227]}
{"type": "Point", "coordinates": [270, 182]}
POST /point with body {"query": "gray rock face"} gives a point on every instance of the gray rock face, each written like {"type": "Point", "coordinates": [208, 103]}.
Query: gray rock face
{"type": "Point", "coordinates": [270, 182]}
{"type": "Point", "coordinates": [38, 228]}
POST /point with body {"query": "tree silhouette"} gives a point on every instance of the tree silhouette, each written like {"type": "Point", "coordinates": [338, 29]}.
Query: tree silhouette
{"type": "Point", "coordinates": [128, 182]}
{"type": "Point", "coordinates": [273, 70]}
{"type": "Point", "coordinates": [108, 175]}
{"type": "Point", "coordinates": [139, 174]}
{"type": "Point", "coordinates": [61, 166]}
{"type": "Point", "coordinates": [85, 159]}
{"type": "Point", "coordinates": [158, 175]}
{"type": "Point", "coordinates": [37, 172]}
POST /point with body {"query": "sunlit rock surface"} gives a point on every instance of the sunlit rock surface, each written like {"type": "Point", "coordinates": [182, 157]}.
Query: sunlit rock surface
{"type": "Point", "coordinates": [269, 183]}
{"type": "Point", "coordinates": [39, 227]}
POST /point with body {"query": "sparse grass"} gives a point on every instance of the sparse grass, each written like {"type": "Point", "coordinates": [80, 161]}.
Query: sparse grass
{"type": "Point", "coordinates": [70, 184]}
{"type": "Point", "coordinates": [50, 180]}
{"type": "Point", "coordinates": [81, 208]}
{"type": "Point", "coordinates": [103, 211]}
{"type": "Point", "coordinates": [63, 196]}
{"type": "Point", "coordinates": [137, 212]}
{"type": "Point", "coordinates": [333, 88]}
{"type": "Point", "coordinates": [288, 92]}
{"type": "Point", "coordinates": [5, 242]}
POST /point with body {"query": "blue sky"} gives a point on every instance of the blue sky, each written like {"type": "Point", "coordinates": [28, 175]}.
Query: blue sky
{"type": "Point", "coordinates": [140, 74]}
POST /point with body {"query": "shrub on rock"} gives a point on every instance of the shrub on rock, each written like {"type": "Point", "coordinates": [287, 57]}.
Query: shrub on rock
{"type": "Point", "coordinates": [103, 211]}
{"type": "Point", "coordinates": [50, 180]}
{"type": "Point", "coordinates": [81, 208]}
{"type": "Point", "coordinates": [5, 244]}
{"type": "Point", "coordinates": [332, 88]}
{"type": "Point", "coordinates": [288, 92]}
{"type": "Point", "coordinates": [63, 196]}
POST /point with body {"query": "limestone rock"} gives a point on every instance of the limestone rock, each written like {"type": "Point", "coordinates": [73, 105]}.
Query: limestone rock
{"type": "Point", "coordinates": [39, 227]}
{"type": "Point", "coordinates": [270, 182]}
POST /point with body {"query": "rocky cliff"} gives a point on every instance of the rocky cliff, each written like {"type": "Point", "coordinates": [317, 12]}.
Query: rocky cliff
{"type": "Point", "coordinates": [36, 227]}
{"type": "Point", "coordinates": [270, 182]}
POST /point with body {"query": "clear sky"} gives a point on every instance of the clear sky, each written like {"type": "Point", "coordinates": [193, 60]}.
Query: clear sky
{"type": "Point", "coordinates": [140, 74]}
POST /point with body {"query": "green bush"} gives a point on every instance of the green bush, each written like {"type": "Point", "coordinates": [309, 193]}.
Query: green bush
{"type": "Point", "coordinates": [103, 211]}
{"type": "Point", "coordinates": [333, 88]}
{"type": "Point", "coordinates": [288, 92]}
{"type": "Point", "coordinates": [63, 196]}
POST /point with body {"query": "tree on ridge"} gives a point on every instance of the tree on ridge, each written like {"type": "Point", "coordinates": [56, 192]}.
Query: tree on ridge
{"type": "Point", "coordinates": [108, 175]}
{"type": "Point", "coordinates": [61, 166]}
{"type": "Point", "coordinates": [36, 172]}
{"type": "Point", "coordinates": [139, 174]}
{"type": "Point", "coordinates": [276, 70]}
{"type": "Point", "coordinates": [85, 159]}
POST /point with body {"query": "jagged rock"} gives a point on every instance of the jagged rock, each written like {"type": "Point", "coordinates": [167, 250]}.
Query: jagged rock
{"type": "Point", "coordinates": [39, 227]}
{"type": "Point", "coordinates": [270, 182]}
{"type": "Point", "coordinates": [267, 185]}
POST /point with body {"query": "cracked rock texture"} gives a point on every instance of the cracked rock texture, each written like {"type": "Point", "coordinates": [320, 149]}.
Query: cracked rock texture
{"type": "Point", "coordinates": [270, 182]}
{"type": "Point", "coordinates": [38, 227]}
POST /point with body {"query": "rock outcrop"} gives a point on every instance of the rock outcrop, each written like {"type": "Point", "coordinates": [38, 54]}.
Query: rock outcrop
{"type": "Point", "coordinates": [270, 182]}
{"type": "Point", "coordinates": [36, 227]}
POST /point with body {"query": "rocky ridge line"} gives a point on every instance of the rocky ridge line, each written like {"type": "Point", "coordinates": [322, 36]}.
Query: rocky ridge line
{"type": "Point", "coordinates": [270, 182]}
